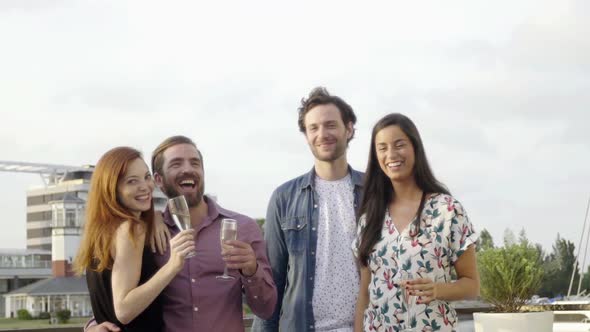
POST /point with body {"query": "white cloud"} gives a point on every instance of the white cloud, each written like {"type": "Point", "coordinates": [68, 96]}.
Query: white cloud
{"type": "Point", "coordinates": [498, 91]}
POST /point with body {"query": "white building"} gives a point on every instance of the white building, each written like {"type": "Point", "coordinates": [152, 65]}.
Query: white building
{"type": "Point", "coordinates": [51, 295]}
{"type": "Point", "coordinates": [19, 268]}
{"type": "Point", "coordinates": [73, 184]}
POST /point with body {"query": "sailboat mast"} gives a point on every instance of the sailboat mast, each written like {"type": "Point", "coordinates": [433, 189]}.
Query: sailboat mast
{"type": "Point", "coordinates": [585, 251]}
{"type": "Point", "coordinates": [569, 291]}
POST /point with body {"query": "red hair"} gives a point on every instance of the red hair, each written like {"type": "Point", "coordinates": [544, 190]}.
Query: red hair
{"type": "Point", "coordinates": [104, 212]}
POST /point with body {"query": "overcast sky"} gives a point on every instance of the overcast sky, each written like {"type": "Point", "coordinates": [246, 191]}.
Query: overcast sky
{"type": "Point", "coordinates": [499, 91]}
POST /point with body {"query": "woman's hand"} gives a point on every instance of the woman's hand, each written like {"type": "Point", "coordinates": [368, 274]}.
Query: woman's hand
{"type": "Point", "coordinates": [160, 235]}
{"type": "Point", "coordinates": [181, 245]}
{"type": "Point", "coordinates": [423, 288]}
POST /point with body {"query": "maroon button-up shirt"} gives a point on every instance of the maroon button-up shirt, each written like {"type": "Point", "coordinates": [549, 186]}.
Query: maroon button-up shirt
{"type": "Point", "coordinates": [195, 300]}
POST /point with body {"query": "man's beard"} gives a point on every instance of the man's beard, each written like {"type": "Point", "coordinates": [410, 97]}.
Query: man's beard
{"type": "Point", "coordinates": [192, 199]}
{"type": "Point", "coordinates": [338, 152]}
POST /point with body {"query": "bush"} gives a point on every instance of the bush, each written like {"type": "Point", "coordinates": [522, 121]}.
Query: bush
{"type": "Point", "coordinates": [63, 316]}
{"type": "Point", "coordinates": [23, 314]}
{"type": "Point", "coordinates": [44, 315]}
{"type": "Point", "coordinates": [510, 275]}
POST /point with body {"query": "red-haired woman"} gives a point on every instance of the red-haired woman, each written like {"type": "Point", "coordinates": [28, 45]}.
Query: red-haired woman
{"type": "Point", "coordinates": [122, 277]}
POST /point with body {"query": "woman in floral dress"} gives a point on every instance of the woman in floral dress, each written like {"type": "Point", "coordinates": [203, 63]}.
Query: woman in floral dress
{"type": "Point", "coordinates": [411, 234]}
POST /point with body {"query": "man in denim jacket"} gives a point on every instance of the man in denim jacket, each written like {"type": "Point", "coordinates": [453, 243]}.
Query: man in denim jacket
{"type": "Point", "coordinates": [310, 225]}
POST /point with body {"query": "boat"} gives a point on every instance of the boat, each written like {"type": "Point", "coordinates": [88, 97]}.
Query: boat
{"type": "Point", "coordinates": [571, 321]}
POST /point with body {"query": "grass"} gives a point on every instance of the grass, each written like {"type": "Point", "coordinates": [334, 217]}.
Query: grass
{"type": "Point", "coordinates": [13, 323]}
{"type": "Point", "coordinates": [246, 309]}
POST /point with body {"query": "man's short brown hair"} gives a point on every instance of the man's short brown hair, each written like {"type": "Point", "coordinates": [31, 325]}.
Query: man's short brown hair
{"type": "Point", "coordinates": [321, 96]}
{"type": "Point", "coordinates": [158, 154]}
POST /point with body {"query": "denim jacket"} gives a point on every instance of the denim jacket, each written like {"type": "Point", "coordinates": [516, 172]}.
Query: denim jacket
{"type": "Point", "coordinates": [291, 239]}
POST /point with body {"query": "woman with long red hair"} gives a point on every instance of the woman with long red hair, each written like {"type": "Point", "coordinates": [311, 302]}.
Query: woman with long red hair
{"type": "Point", "coordinates": [122, 277]}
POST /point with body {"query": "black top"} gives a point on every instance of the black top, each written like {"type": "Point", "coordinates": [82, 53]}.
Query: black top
{"type": "Point", "coordinates": [101, 297]}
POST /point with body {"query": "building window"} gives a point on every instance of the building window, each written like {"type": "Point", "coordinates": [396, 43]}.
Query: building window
{"type": "Point", "coordinates": [39, 216]}
{"type": "Point", "coordinates": [58, 219]}
{"type": "Point", "coordinates": [70, 217]}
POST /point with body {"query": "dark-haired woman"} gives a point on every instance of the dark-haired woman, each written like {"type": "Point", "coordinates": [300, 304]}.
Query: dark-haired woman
{"type": "Point", "coordinates": [411, 234]}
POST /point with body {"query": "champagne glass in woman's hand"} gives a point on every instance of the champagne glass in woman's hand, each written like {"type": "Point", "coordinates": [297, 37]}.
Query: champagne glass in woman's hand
{"type": "Point", "coordinates": [408, 299]}
{"type": "Point", "coordinates": [180, 214]}
{"type": "Point", "coordinates": [229, 231]}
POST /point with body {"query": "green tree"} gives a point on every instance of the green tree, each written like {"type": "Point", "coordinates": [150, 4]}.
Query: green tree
{"type": "Point", "coordinates": [485, 240]}
{"type": "Point", "coordinates": [558, 267]}
{"type": "Point", "coordinates": [63, 316]}
{"type": "Point", "coordinates": [509, 238]}
{"type": "Point", "coordinates": [260, 222]}
{"type": "Point", "coordinates": [586, 281]}
{"type": "Point", "coordinates": [23, 314]}
{"type": "Point", "coordinates": [522, 237]}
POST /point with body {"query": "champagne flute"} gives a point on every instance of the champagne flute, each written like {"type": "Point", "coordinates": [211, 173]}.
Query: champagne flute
{"type": "Point", "coordinates": [408, 300]}
{"type": "Point", "coordinates": [229, 231]}
{"type": "Point", "coordinates": [178, 208]}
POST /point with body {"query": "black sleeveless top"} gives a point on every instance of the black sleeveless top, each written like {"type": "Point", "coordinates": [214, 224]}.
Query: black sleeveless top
{"type": "Point", "coordinates": [101, 297]}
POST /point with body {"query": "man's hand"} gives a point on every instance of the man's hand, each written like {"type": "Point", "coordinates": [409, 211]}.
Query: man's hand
{"type": "Point", "coordinates": [104, 327]}
{"type": "Point", "coordinates": [160, 235]}
{"type": "Point", "coordinates": [239, 255]}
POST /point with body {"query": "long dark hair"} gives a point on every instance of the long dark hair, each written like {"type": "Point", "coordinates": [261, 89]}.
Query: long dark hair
{"type": "Point", "coordinates": [378, 190]}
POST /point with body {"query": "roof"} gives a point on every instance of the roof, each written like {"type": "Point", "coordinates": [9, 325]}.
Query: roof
{"type": "Point", "coordinates": [53, 286]}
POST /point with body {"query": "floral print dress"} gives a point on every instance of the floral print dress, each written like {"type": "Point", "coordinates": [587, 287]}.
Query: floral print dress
{"type": "Point", "coordinates": [445, 233]}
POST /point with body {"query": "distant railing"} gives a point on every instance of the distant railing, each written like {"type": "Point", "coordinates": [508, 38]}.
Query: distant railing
{"type": "Point", "coordinates": [25, 265]}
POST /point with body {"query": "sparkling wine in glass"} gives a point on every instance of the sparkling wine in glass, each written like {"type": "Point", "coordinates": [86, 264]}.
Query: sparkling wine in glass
{"type": "Point", "coordinates": [180, 214]}
{"type": "Point", "coordinates": [229, 231]}
{"type": "Point", "coordinates": [408, 300]}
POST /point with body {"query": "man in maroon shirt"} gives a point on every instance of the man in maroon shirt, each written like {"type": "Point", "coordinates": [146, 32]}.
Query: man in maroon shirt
{"type": "Point", "coordinates": [196, 300]}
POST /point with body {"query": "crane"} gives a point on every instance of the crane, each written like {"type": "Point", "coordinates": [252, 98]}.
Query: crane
{"type": "Point", "coordinates": [51, 174]}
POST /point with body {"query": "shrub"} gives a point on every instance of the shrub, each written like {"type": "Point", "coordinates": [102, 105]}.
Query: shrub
{"type": "Point", "coordinates": [23, 314]}
{"type": "Point", "coordinates": [63, 316]}
{"type": "Point", "coordinates": [44, 315]}
{"type": "Point", "coordinates": [510, 275]}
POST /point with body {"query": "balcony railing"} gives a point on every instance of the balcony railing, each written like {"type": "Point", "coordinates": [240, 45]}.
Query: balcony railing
{"type": "Point", "coordinates": [7, 264]}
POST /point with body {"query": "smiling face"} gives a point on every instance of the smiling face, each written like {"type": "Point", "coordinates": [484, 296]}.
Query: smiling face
{"type": "Point", "coordinates": [182, 174]}
{"type": "Point", "coordinates": [135, 187]}
{"type": "Point", "coordinates": [395, 153]}
{"type": "Point", "coordinates": [325, 132]}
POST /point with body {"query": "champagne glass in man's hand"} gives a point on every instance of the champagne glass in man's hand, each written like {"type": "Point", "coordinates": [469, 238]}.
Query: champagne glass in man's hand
{"type": "Point", "coordinates": [229, 231]}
